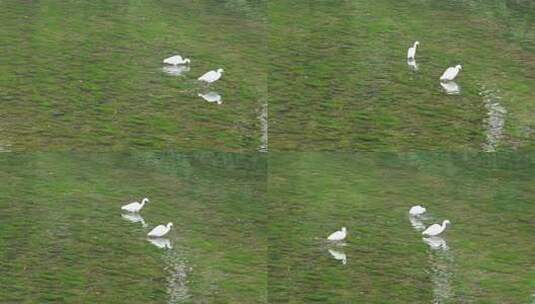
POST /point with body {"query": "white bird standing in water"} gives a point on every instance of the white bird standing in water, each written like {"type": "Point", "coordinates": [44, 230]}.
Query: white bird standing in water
{"type": "Point", "coordinates": [211, 76]}
{"type": "Point", "coordinates": [451, 73]}
{"type": "Point", "coordinates": [176, 60]}
{"type": "Point", "coordinates": [417, 210]}
{"type": "Point", "coordinates": [411, 53]}
{"type": "Point", "coordinates": [339, 235]}
{"type": "Point", "coordinates": [436, 229]}
{"type": "Point", "coordinates": [160, 230]}
{"type": "Point", "coordinates": [135, 206]}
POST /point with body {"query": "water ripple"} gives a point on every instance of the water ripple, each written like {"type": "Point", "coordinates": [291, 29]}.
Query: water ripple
{"type": "Point", "coordinates": [495, 121]}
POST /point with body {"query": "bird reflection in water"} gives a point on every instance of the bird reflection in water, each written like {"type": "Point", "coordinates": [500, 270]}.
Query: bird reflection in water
{"type": "Point", "coordinates": [417, 223]}
{"type": "Point", "coordinates": [176, 70]}
{"type": "Point", "coordinates": [161, 243]}
{"type": "Point", "coordinates": [451, 87]}
{"type": "Point", "coordinates": [413, 66]}
{"type": "Point", "coordinates": [211, 97]}
{"type": "Point", "coordinates": [338, 255]}
{"type": "Point", "coordinates": [134, 218]}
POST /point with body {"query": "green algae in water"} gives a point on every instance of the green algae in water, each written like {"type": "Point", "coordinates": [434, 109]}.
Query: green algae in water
{"type": "Point", "coordinates": [486, 254]}
{"type": "Point", "coordinates": [63, 238]}
{"type": "Point", "coordinates": [88, 75]}
{"type": "Point", "coordinates": [339, 79]}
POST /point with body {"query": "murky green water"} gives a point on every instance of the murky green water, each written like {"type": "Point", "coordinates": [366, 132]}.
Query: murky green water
{"type": "Point", "coordinates": [63, 239]}
{"type": "Point", "coordinates": [85, 101]}
{"type": "Point", "coordinates": [339, 79]}
{"type": "Point", "coordinates": [89, 75]}
{"type": "Point", "coordinates": [486, 256]}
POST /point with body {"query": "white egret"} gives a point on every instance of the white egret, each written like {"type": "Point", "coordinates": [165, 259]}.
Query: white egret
{"type": "Point", "coordinates": [339, 235]}
{"type": "Point", "coordinates": [451, 73]}
{"type": "Point", "coordinates": [135, 206]}
{"type": "Point", "coordinates": [211, 97]}
{"type": "Point", "coordinates": [417, 210]}
{"type": "Point", "coordinates": [176, 60]}
{"type": "Point", "coordinates": [411, 53]}
{"type": "Point", "coordinates": [160, 230]}
{"type": "Point", "coordinates": [211, 76]}
{"type": "Point", "coordinates": [436, 229]}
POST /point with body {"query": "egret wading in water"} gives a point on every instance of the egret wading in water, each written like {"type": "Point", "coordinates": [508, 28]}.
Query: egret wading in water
{"type": "Point", "coordinates": [411, 53]}
{"type": "Point", "coordinates": [135, 206]}
{"type": "Point", "coordinates": [212, 76]}
{"type": "Point", "coordinates": [339, 235]}
{"type": "Point", "coordinates": [176, 60]}
{"type": "Point", "coordinates": [436, 229]}
{"type": "Point", "coordinates": [417, 210]}
{"type": "Point", "coordinates": [160, 230]}
{"type": "Point", "coordinates": [451, 73]}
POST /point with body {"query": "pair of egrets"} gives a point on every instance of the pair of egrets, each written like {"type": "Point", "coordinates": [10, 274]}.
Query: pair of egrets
{"type": "Point", "coordinates": [208, 77]}
{"type": "Point", "coordinates": [432, 230]}
{"type": "Point", "coordinates": [449, 75]}
{"type": "Point", "coordinates": [159, 230]}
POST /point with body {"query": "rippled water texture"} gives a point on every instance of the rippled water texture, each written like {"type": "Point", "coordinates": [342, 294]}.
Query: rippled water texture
{"type": "Point", "coordinates": [485, 255]}
{"type": "Point", "coordinates": [88, 75]}
{"type": "Point", "coordinates": [339, 78]}
{"type": "Point", "coordinates": [64, 239]}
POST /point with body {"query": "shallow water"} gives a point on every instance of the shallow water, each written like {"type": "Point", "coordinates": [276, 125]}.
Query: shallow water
{"type": "Point", "coordinates": [339, 78]}
{"type": "Point", "coordinates": [64, 238]}
{"type": "Point", "coordinates": [89, 75]}
{"type": "Point", "coordinates": [485, 256]}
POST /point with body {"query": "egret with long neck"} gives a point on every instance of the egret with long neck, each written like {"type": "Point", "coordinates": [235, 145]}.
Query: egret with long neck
{"type": "Point", "coordinates": [436, 229]}
{"type": "Point", "coordinates": [135, 206]}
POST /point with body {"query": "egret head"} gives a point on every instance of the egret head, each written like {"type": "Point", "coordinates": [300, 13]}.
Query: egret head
{"type": "Point", "coordinates": [145, 200]}
{"type": "Point", "coordinates": [169, 224]}
{"type": "Point", "coordinates": [417, 43]}
{"type": "Point", "coordinates": [459, 67]}
{"type": "Point", "coordinates": [344, 229]}
{"type": "Point", "coordinates": [187, 60]}
{"type": "Point", "coordinates": [446, 222]}
{"type": "Point", "coordinates": [220, 71]}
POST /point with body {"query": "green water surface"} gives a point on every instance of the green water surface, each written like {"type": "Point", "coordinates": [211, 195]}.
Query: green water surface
{"type": "Point", "coordinates": [487, 252]}
{"type": "Point", "coordinates": [339, 79]}
{"type": "Point", "coordinates": [88, 75]}
{"type": "Point", "coordinates": [63, 238]}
